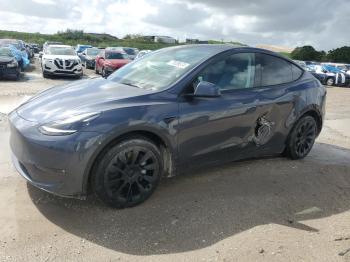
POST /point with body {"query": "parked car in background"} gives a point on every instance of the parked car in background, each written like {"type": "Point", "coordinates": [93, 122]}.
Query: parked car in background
{"type": "Point", "coordinates": [9, 67]}
{"type": "Point", "coordinates": [21, 56]}
{"type": "Point", "coordinates": [80, 48]}
{"type": "Point", "coordinates": [330, 75]}
{"type": "Point", "coordinates": [142, 53]}
{"type": "Point", "coordinates": [16, 43]}
{"type": "Point", "coordinates": [130, 51]}
{"type": "Point", "coordinates": [88, 57]}
{"type": "Point", "coordinates": [109, 60]}
{"type": "Point", "coordinates": [29, 50]}
{"type": "Point", "coordinates": [179, 107]}
{"type": "Point", "coordinates": [61, 60]}
{"type": "Point", "coordinates": [35, 47]}
{"type": "Point", "coordinates": [48, 43]}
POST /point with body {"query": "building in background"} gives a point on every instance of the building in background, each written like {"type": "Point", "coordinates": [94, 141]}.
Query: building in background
{"type": "Point", "coordinates": [161, 39]}
{"type": "Point", "coordinates": [195, 41]}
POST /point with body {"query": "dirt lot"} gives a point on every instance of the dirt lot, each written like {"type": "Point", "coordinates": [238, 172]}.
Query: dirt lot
{"type": "Point", "coordinates": [259, 210]}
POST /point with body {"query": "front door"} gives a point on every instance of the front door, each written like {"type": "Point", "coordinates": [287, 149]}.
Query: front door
{"type": "Point", "coordinates": [213, 129]}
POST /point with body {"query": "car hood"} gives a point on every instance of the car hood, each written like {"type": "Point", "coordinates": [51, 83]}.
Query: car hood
{"type": "Point", "coordinates": [60, 56]}
{"type": "Point", "coordinates": [91, 95]}
{"type": "Point", "coordinates": [6, 59]}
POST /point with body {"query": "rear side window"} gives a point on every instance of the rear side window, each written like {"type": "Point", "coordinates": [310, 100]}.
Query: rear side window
{"type": "Point", "coordinates": [275, 71]}
{"type": "Point", "coordinates": [297, 72]}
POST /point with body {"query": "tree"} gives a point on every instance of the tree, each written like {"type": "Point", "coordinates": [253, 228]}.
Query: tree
{"type": "Point", "coordinates": [307, 53]}
{"type": "Point", "coordinates": [340, 55]}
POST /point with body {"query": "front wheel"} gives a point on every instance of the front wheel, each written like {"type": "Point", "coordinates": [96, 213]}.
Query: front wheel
{"type": "Point", "coordinates": [104, 73]}
{"type": "Point", "coordinates": [302, 138]}
{"type": "Point", "coordinates": [128, 173]}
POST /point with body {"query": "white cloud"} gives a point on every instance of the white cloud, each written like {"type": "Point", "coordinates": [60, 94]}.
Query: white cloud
{"type": "Point", "coordinates": [287, 23]}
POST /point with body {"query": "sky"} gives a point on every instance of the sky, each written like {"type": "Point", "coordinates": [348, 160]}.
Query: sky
{"type": "Point", "coordinates": [323, 24]}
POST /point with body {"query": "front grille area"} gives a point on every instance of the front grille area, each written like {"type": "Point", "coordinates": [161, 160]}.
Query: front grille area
{"type": "Point", "coordinates": [65, 64]}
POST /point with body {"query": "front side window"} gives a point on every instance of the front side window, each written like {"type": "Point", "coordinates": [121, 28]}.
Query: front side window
{"type": "Point", "coordinates": [234, 72]}
{"type": "Point", "coordinates": [275, 71]}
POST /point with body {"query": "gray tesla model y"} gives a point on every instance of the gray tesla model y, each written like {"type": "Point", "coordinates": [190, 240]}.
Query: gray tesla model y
{"type": "Point", "coordinates": [177, 107]}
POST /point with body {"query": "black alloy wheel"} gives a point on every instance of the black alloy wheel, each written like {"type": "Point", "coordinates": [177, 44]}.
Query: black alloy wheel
{"type": "Point", "coordinates": [302, 138]}
{"type": "Point", "coordinates": [128, 173]}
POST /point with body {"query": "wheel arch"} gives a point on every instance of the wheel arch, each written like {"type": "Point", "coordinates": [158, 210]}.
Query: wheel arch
{"type": "Point", "coordinates": [162, 143]}
{"type": "Point", "coordinates": [313, 111]}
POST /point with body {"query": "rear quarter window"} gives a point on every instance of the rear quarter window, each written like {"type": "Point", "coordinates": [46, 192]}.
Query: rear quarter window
{"type": "Point", "coordinates": [297, 72]}
{"type": "Point", "coordinates": [275, 71]}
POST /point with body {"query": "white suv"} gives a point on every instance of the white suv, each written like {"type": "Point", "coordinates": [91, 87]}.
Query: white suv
{"type": "Point", "coordinates": [61, 60]}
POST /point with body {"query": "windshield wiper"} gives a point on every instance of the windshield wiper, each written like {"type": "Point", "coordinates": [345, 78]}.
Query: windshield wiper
{"type": "Point", "coordinates": [130, 84]}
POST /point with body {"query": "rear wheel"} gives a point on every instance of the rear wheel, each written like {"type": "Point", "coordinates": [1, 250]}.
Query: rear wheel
{"type": "Point", "coordinates": [302, 138]}
{"type": "Point", "coordinates": [330, 82]}
{"type": "Point", "coordinates": [128, 173]}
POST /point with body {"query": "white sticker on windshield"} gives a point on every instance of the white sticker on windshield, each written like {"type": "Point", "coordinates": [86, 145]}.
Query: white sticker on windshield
{"type": "Point", "coordinates": [178, 64]}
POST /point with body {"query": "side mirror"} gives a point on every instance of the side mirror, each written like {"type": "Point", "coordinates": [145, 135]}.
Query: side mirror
{"type": "Point", "coordinates": [206, 89]}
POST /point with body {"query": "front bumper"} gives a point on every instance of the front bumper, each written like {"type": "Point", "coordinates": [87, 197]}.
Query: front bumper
{"type": "Point", "coordinates": [53, 68]}
{"type": "Point", "coordinates": [9, 72]}
{"type": "Point", "coordinates": [56, 164]}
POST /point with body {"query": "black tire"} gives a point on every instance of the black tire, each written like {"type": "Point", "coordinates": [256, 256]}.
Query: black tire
{"type": "Point", "coordinates": [330, 81]}
{"type": "Point", "coordinates": [18, 75]}
{"type": "Point", "coordinates": [45, 75]}
{"type": "Point", "coordinates": [302, 138]}
{"type": "Point", "coordinates": [128, 173]}
{"type": "Point", "coordinates": [104, 75]}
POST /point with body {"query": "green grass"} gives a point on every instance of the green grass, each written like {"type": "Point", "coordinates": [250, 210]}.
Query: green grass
{"type": "Point", "coordinates": [74, 37]}
{"type": "Point", "coordinates": [286, 54]}
{"type": "Point", "coordinates": [78, 37]}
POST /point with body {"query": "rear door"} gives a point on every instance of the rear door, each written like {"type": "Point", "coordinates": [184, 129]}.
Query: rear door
{"type": "Point", "coordinates": [276, 96]}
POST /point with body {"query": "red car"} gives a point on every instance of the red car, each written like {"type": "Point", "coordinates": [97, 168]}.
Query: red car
{"type": "Point", "coordinates": [107, 61]}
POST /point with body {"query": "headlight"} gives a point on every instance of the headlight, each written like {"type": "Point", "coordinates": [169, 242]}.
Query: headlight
{"type": "Point", "coordinates": [69, 125]}
{"type": "Point", "coordinates": [13, 63]}
{"type": "Point", "coordinates": [47, 60]}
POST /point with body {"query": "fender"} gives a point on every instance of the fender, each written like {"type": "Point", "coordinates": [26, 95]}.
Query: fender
{"type": "Point", "coordinates": [170, 142]}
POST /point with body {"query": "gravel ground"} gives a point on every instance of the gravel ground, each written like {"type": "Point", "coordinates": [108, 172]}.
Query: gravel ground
{"type": "Point", "coordinates": [270, 209]}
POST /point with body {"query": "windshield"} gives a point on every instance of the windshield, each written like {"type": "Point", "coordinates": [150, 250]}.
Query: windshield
{"type": "Point", "coordinates": [5, 52]}
{"type": "Point", "coordinates": [92, 52]}
{"type": "Point", "coordinates": [60, 51]}
{"type": "Point", "coordinates": [11, 42]}
{"type": "Point", "coordinates": [116, 55]}
{"type": "Point", "coordinates": [162, 68]}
